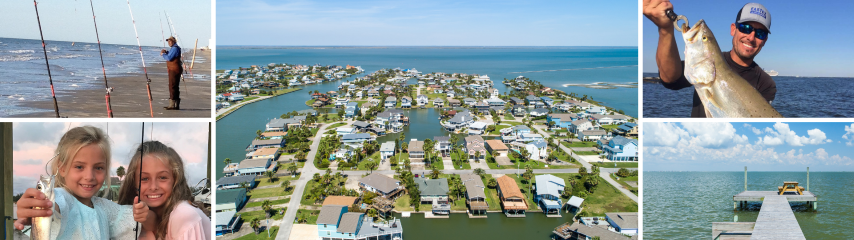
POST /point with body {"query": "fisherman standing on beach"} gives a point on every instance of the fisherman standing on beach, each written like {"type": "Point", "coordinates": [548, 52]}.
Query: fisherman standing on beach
{"type": "Point", "coordinates": [749, 34]}
{"type": "Point", "coordinates": [175, 69]}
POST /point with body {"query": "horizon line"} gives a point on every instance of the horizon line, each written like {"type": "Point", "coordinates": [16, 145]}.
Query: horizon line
{"type": "Point", "coordinates": [466, 46]}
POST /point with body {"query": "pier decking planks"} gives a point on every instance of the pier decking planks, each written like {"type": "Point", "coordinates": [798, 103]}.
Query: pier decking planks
{"type": "Point", "coordinates": [755, 196]}
{"type": "Point", "coordinates": [776, 220]}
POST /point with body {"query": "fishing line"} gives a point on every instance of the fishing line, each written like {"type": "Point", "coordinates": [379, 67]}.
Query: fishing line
{"type": "Point", "coordinates": [148, 80]}
{"type": "Point", "coordinates": [178, 38]}
{"type": "Point", "coordinates": [161, 30]}
{"type": "Point", "coordinates": [46, 63]}
{"type": "Point", "coordinates": [103, 69]}
{"type": "Point", "coordinates": [139, 178]}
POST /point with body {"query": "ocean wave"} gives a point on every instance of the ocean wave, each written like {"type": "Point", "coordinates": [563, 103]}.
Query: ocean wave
{"type": "Point", "coordinates": [18, 58]}
{"type": "Point", "coordinates": [22, 51]}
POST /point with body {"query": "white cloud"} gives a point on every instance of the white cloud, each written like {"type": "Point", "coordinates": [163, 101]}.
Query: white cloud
{"type": "Point", "coordinates": [781, 133]}
{"type": "Point", "coordinates": [662, 134]}
{"type": "Point", "coordinates": [713, 135]}
{"type": "Point", "coordinates": [849, 135]}
{"type": "Point", "coordinates": [754, 129]}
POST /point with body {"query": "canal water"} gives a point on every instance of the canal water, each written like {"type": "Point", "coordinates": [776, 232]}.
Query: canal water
{"type": "Point", "coordinates": [683, 205]}
{"type": "Point", "coordinates": [536, 226]}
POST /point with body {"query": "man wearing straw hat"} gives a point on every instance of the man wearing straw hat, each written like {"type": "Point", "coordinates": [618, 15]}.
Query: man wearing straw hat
{"type": "Point", "coordinates": [175, 69]}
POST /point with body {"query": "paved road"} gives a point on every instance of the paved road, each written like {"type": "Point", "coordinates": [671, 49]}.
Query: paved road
{"type": "Point", "coordinates": [546, 135]}
{"type": "Point", "coordinates": [604, 172]}
{"type": "Point", "coordinates": [308, 172]}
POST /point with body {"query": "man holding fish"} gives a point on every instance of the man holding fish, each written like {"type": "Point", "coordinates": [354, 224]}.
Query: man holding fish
{"type": "Point", "coordinates": [727, 84]}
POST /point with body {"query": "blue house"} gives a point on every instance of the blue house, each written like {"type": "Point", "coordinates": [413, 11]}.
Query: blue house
{"type": "Point", "coordinates": [547, 100]}
{"type": "Point", "coordinates": [548, 189]}
{"type": "Point", "coordinates": [533, 100]}
{"type": "Point", "coordinates": [562, 120]}
{"type": "Point", "coordinates": [351, 109]}
{"type": "Point", "coordinates": [620, 148]}
{"type": "Point", "coordinates": [335, 222]}
{"type": "Point", "coordinates": [227, 222]}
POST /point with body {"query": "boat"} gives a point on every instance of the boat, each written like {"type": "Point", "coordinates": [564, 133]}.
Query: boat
{"type": "Point", "coordinates": [772, 73]}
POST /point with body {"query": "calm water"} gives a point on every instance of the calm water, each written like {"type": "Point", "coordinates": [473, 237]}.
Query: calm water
{"type": "Point", "coordinates": [24, 78]}
{"type": "Point", "coordinates": [536, 226]}
{"type": "Point", "coordinates": [612, 65]}
{"type": "Point", "coordinates": [683, 205]}
{"type": "Point", "coordinates": [796, 97]}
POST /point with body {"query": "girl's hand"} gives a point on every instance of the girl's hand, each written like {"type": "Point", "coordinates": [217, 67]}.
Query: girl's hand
{"type": "Point", "coordinates": [140, 210]}
{"type": "Point", "coordinates": [32, 198]}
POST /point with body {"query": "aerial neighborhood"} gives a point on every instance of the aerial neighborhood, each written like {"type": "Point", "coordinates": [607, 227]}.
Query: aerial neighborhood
{"type": "Point", "coordinates": [369, 151]}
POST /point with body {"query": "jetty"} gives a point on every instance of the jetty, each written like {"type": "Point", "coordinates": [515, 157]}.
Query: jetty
{"type": "Point", "coordinates": [776, 219]}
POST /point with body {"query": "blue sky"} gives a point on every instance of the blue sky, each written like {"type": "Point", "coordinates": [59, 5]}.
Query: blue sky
{"type": "Point", "coordinates": [69, 20]}
{"type": "Point", "coordinates": [761, 146]}
{"type": "Point", "coordinates": [807, 38]}
{"type": "Point", "coordinates": [427, 23]}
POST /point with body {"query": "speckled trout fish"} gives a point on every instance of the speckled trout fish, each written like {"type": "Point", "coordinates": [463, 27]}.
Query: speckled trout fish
{"type": "Point", "coordinates": [41, 225]}
{"type": "Point", "coordinates": [723, 92]}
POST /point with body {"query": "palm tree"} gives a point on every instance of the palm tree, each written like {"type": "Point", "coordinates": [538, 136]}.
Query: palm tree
{"type": "Point", "coordinates": [479, 171]}
{"type": "Point", "coordinates": [267, 206]}
{"type": "Point", "coordinates": [227, 161]}
{"type": "Point", "coordinates": [285, 185]}
{"type": "Point", "coordinates": [269, 175]}
{"type": "Point", "coordinates": [477, 156]}
{"type": "Point", "coordinates": [255, 224]}
{"type": "Point", "coordinates": [292, 168]}
{"type": "Point", "coordinates": [120, 172]}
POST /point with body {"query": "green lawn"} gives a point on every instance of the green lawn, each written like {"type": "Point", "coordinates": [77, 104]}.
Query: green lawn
{"type": "Point", "coordinates": [498, 129]}
{"type": "Point", "coordinates": [605, 198]}
{"type": "Point", "coordinates": [533, 164]}
{"type": "Point", "coordinates": [508, 116]}
{"type": "Point", "coordinates": [333, 126]}
{"type": "Point", "coordinates": [311, 215]}
{"type": "Point", "coordinates": [363, 164]}
{"type": "Point", "coordinates": [611, 127]}
{"type": "Point", "coordinates": [308, 187]}
{"type": "Point", "coordinates": [619, 164]}
{"type": "Point", "coordinates": [466, 164]}
{"type": "Point", "coordinates": [274, 202]}
{"type": "Point", "coordinates": [309, 102]}
{"type": "Point", "coordinates": [622, 181]}
{"type": "Point", "coordinates": [402, 203]}
{"type": "Point", "coordinates": [586, 152]}
{"type": "Point", "coordinates": [580, 144]}
{"type": "Point", "coordinates": [248, 216]}
{"type": "Point", "coordinates": [512, 123]}
{"type": "Point", "coordinates": [491, 195]}
{"type": "Point", "coordinates": [263, 181]}
{"type": "Point", "coordinates": [269, 192]}
{"type": "Point", "coordinates": [263, 235]}
{"type": "Point", "coordinates": [525, 188]}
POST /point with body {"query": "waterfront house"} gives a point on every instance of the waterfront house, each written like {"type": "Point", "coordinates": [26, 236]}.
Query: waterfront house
{"type": "Point", "coordinates": [539, 112]}
{"type": "Point", "coordinates": [416, 149]}
{"type": "Point", "coordinates": [320, 102]}
{"type": "Point", "coordinates": [355, 140]}
{"type": "Point", "coordinates": [258, 144]}
{"type": "Point", "coordinates": [477, 128]}
{"type": "Point", "coordinates": [577, 230]}
{"type": "Point", "coordinates": [460, 120]}
{"type": "Point", "coordinates": [345, 130]}
{"type": "Point", "coordinates": [359, 94]}
{"type": "Point", "coordinates": [591, 135]}
{"type": "Point", "coordinates": [610, 119]}
{"type": "Point", "coordinates": [453, 102]}
{"type": "Point", "coordinates": [230, 169]}
{"type": "Point", "coordinates": [381, 185]}
{"type": "Point", "coordinates": [547, 101]}
{"type": "Point", "coordinates": [530, 137]}
{"type": "Point", "coordinates": [316, 95]}
{"type": "Point", "coordinates": [422, 100]}
{"type": "Point", "coordinates": [333, 94]}
{"type": "Point", "coordinates": [373, 93]}
{"type": "Point", "coordinates": [533, 100]}
{"type": "Point", "coordinates": [280, 125]}
{"type": "Point", "coordinates": [561, 120]}
{"type": "Point", "coordinates": [387, 150]}
{"type": "Point", "coordinates": [450, 94]}
{"type": "Point", "coordinates": [620, 148]}
{"type": "Point", "coordinates": [235, 97]}
{"type": "Point", "coordinates": [335, 222]}
{"type": "Point", "coordinates": [266, 152]}
{"type": "Point", "coordinates": [361, 126]}
{"type": "Point", "coordinates": [351, 109]}
{"type": "Point", "coordinates": [475, 144]}
{"type": "Point", "coordinates": [438, 102]}
{"type": "Point", "coordinates": [574, 202]}
{"type": "Point", "coordinates": [496, 148]}
{"type": "Point", "coordinates": [434, 191]}
{"type": "Point", "coordinates": [235, 181]}
{"type": "Point", "coordinates": [341, 102]}
{"type": "Point", "coordinates": [255, 166]}
{"type": "Point", "coordinates": [512, 199]}
{"type": "Point", "coordinates": [475, 196]}
{"type": "Point", "coordinates": [548, 189]}
{"type": "Point", "coordinates": [623, 222]}
{"type": "Point", "coordinates": [442, 144]}
{"type": "Point", "coordinates": [390, 102]}
{"type": "Point", "coordinates": [519, 130]}
{"type": "Point", "coordinates": [495, 102]}
{"type": "Point", "coordinates": [517, 101]}
{"type": "Point", "coordinates": [405, 102]}
{"type": "Point", "coordinates": [596, 110]}
{"type": "Point", "coordinates": [499, 110]}
{"type": "Point", "coordinates": [230, 199]}
{"type": "Point", "coordinates": [226, 222]}
{"type": "Point", "coordinates": [469, 101]}
{"type": "Point", "coordinates": [481, 107]}
{"type": "Point", "coordinates": [580, 125]}
{"type": "Point", "coordinates": [562, 107]}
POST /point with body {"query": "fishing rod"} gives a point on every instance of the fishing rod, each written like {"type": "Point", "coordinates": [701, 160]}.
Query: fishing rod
{"type": "Point", "coordinates": [148, 80]}
{"type": "Point", "coordinates": [161, 30]}
{"type": "Point", "coordinates": [103, 69]}
{"type": "Point", "coordinates": [178, 38]}
{"type": "Point", "coordinates": [46, 63]}
{"type": "Point", "coordinates": [139, 178]}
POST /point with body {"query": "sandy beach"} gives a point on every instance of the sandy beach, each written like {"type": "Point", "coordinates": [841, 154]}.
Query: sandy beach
{"type": "Point", "coordinates": [129, 98]}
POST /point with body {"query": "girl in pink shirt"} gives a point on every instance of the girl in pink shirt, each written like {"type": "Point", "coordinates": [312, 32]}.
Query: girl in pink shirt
{"type": "Point", "coordinates": [164, 188]}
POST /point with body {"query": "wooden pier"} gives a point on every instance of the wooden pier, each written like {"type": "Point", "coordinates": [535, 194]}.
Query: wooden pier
{"type": "Point", "coordinates": [775, 221]}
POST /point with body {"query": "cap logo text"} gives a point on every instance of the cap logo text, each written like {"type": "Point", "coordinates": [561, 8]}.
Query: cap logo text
{"type": "Point", "coordinates": [757, 11]}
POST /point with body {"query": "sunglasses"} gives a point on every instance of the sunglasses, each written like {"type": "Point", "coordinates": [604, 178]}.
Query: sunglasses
{"type": "Point", "coordinates": [747, 29]}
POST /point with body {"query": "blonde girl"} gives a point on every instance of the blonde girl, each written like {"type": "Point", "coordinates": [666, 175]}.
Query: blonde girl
{"type": "Point", "coordinates": [164, 188]}
{"type": "Point", "coordinates": [82, 166]}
